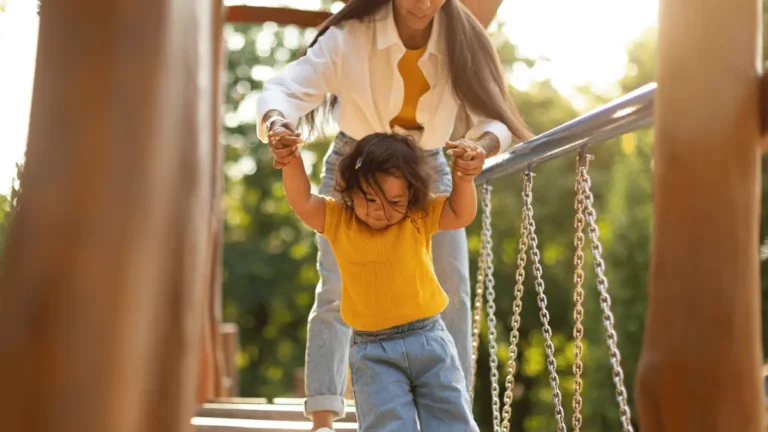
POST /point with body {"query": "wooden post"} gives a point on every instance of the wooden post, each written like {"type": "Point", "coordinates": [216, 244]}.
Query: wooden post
{"type": "Point", "coordinates": [212, 370]}
{"type": "Point", "coordinates": [701, 363]}
{"type": "Point", "coordinates": [104, 273]}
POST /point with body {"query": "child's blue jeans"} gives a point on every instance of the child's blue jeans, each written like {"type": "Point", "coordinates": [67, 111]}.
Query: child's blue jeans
{"type": "Point", "coordinates": [408, 378]}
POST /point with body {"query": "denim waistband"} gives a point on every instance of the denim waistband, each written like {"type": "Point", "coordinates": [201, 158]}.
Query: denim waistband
{"type": "Point", "coordinates": [373, 336]}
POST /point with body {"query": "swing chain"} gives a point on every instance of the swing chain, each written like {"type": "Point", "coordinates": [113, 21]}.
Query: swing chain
{"type": "Point", "coordinates": [514, 336]}
{"type": "Point", "coordinates": [605, 301]}
{"type": "Point", "coordinates": [542, 301]}
{"type": "Point", "coordinates": [490, 296]}
{"type": "Point", "coordinates": [482, 262]}
{"type": "Point", "coordinates": [578, 294]}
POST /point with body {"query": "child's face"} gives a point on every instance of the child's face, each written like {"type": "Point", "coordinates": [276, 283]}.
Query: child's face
{"type": "Point", "coordinates": [381, 211]}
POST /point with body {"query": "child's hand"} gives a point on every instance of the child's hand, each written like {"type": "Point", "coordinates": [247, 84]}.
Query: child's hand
{"type": "Point", "coordinates": [467, 158]}
{"type": "Point", "coordinates": [284, 141]}
{"type": "Point", "coordinates": [284, 156]}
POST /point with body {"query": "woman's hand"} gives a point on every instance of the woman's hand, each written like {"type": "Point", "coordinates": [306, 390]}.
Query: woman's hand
{"type": "Point", "coordinates": [283, 141]}
{"type": "Point", "coordinates": [467, 158]}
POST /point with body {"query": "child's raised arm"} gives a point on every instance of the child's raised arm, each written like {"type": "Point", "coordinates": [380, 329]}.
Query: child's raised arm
{"type": "Point", "coordinates": [461, 208]}
{"type": "Point", "coordinates": [309, 207]}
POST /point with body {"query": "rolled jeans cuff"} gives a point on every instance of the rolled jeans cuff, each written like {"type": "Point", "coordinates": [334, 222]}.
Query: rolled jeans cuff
{"type": "Point", "coordinates": [324, 403]}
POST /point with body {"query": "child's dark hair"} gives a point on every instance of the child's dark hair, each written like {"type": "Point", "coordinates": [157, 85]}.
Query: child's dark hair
{"type": "Point", "coordinates": [381, 153]}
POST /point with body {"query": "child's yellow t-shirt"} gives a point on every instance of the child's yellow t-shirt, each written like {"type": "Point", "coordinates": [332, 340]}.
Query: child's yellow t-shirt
{"type": "Point", "coordinates": [387, 276]}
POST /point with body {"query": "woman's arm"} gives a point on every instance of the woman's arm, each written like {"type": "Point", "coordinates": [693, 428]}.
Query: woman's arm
{"type": "Point", "coordinates": [302, 86]}
{"type": "Point", "coordinates": [490, 143]}
{"type": "Point", "coordinates": [492, 135]}
{"type": "Point", "coordinates": [309, 207]}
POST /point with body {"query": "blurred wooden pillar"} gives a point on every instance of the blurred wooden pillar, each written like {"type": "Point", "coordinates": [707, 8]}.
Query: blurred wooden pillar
{"type": "Point", "coordinates": [103, 281]}
{"type": "Point", "coordinates": [213, 375]}
{"type": "Point", "coordinates": [701, 362]}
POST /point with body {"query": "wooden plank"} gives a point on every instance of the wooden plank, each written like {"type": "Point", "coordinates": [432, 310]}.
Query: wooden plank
{"type": "Point", "coordinates": [279, 15]}
{"type": "Point", "coordinates": [241, 400]}
{"type": "Point", "coordinates": [701, 362]}
{"type": "Point", "coordinates": [103, 277]}
{"type": "Point", "coordinates": [261, 411]}
{"type": "Point", "coordinates": [206, 424]}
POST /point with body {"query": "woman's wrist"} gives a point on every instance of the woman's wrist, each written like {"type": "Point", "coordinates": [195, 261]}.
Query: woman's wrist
{"type": "Point", "coordinates": [271, 118]}
{"type": "Point", "coordinates": [490, 143]}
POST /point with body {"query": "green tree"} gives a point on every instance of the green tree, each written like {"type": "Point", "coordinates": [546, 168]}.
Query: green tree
{"type": "Point", "coordinates": [269, 257]}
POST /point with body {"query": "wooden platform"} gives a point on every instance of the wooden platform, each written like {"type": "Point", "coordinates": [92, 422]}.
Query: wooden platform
{"type": "Point", "coordinates": [243, 414]}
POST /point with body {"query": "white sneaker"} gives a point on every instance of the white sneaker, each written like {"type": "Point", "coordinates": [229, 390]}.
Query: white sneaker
{"type": "Point", "coordinates": [323, 430]}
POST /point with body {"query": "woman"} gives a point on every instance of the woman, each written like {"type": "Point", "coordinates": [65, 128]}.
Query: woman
{"type": "Point", "coordinates": [399, 66]}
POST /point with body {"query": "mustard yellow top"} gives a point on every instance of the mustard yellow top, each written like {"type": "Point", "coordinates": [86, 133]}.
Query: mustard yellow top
{"type": "Point", "coordinates": [415, 85]}
{"type": "Point", "coordinates": [387, 276]}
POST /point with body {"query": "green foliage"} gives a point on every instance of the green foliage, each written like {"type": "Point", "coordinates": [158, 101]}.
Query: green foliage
{"type": "Point", "coordinates": [8, 207]}
{"type": "Point", "coordinates": [269, 256]}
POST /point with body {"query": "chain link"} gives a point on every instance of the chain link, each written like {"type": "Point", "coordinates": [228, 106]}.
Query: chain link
{"type": "Point", "coordinates": [578, 296]}
{"type": "Point", "coordinates": [605, 299]}
{"type": "Point", "coordinates": [542, 301]}
{"type": "Point", "coordinates": [482, 261]}
{"type": "Point", "coordinates": [514, 336]}
{"type": "Point", "coordinates": [490, 297]}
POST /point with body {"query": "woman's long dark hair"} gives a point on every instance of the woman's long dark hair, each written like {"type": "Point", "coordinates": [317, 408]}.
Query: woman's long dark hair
{"type": "Point", "coordinates": [475, 69]}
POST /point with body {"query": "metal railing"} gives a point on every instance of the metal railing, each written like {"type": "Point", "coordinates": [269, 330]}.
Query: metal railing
{"type": "Point", "coordinates": [628, 113]}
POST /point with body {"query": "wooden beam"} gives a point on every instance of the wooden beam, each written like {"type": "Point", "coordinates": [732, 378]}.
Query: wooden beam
{"type": "Point", "coordinates": [103, 275]}
{"type": "Point", "coordinates": [700, 367]}
{"type": "Point", "coordinates": [483, 10]}
{"type": "Point", "coordinates": [279, 15]}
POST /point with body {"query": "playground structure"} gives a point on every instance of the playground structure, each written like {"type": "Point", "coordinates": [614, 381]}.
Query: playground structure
{"type": "Point", "coordinates": [112, 269]}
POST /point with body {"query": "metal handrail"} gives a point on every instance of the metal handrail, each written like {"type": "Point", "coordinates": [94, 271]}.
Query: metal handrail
{"type": "Point", "coordinates": [628, 113]}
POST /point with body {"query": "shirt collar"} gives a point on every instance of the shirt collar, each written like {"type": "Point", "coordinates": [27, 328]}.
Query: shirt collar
{"type": "Point", "coordinates": [386, 31]}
